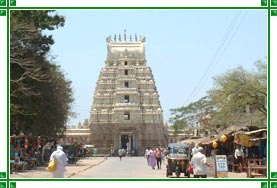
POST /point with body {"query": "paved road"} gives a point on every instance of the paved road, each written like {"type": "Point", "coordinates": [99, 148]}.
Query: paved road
{"type": "Point", "coordinates": [129, 167]}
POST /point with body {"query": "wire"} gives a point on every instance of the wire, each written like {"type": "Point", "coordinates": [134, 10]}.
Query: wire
{"type": "Point", "coordinates": [226, 40]}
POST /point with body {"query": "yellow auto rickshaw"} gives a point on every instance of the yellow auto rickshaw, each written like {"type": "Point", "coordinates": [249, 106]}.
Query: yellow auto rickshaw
{"type": "Point", "coordinates": [177, 160]}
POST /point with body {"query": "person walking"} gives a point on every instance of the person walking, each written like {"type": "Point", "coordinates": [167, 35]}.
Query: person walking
{"type": "Point", "coordinates": [61, 158]}
{"type": "Point", "coordinates": [159, 154]}
{"type": "Point", "coordinates": [120, 153]}
{"type": "Point", "coordinates": [147, 154]}
{"type": "Point", "coordinates": [152, 158]}
{"type": "Point", "coordinates": [199, 162]}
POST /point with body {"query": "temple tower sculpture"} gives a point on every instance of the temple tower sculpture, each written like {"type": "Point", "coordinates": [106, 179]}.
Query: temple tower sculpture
{"type": "Point", "coordinates": [126, 111]}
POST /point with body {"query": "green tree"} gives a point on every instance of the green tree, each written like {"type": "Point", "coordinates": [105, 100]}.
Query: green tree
{"type": "Point", "coordinates": [40, 95]}
{"type": "Point", "coordinates": [193, 113]}
{"type": "Point", "coordinates": [241, 96]}
{"type": "Point", "coordinates": [178, 127]}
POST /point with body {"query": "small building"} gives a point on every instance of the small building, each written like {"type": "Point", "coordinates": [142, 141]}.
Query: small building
{"type": "Point", "coordinates": [80, 134]}
{"type": "Point", "coordinates": [175, 138]}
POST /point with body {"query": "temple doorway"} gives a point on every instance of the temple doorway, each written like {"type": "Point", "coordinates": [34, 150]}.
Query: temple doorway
{"type": "Point", "coordinates": [124, 141]}
{"type": "Point", "coordinates": [128, 142]}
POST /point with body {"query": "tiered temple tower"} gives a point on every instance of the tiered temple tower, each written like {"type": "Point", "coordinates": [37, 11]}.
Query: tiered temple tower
{"type": "Point", "coordinates": [126, 111]}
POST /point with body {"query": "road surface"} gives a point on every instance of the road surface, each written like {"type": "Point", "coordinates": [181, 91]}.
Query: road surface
{"type": "Point", "coordinates": [128, 167]}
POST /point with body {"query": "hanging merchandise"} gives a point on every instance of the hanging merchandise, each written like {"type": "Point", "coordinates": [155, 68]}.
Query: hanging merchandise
{"type": "Point", "coordinates": [17, 147]}
{"type": "Point", "coordinates": [215, 144]}
{"type": "Point", "coordinates": [26, 143]}
{"type": "Point", "coordinates": [223, 138]}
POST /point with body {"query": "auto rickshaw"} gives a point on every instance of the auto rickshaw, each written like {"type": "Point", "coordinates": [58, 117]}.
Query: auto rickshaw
{"type": "Point", "coordinates": [177, 160]}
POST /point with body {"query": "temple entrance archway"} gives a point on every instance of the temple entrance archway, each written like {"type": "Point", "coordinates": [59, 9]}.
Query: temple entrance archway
{"type": "Point", "coordinates": [127, 141]}
{"type": "Point", "coordinates": [124, 141]}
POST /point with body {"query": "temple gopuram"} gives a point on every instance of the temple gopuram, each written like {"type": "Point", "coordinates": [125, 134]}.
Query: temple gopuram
{"type": "Point", "coordinates": [126, 111]}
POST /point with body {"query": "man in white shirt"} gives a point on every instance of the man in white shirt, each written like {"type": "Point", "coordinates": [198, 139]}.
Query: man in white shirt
{"type": "Point", "coordinates": [199, 162]}
{"type": "Point", "coordinates": [239, 155]}
{"type": "Point", "coordinates": [239, 152]}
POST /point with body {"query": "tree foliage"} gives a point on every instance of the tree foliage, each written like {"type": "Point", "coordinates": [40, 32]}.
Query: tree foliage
{"type": "Point", "coordinates": [40, 95]}
{"type": "Point", "coordinates": [192, 113]}
{"type": "Point", "coordinates": [178, 127]}
{"type": "Point", "coordinates": [238, 97]}
{"type": "Point", "coordinates": [241, 96]}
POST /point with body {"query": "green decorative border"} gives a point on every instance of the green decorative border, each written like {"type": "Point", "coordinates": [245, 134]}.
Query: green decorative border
{"type": "Point", "coordinates": [3, 184]}
{"type": "Point", "coordinates": [3, 12]}
{"type": "Point", "coordinates": [274, 175]}
{"type": "Point", "coordinates": [273, 184]}
{"type": "Point", "coordinates": [12, 2]}
{"type": "Point", "coordinates": [263, 184]}
{"type": "Point", "coordinates": [12, 184]}
{"type": "Point", "coordinates": [263, 2]}
{"type": "Point", "coordinates": [274, 12]}
{"type": "Point", "coordinates": [3, 175]}
{"type": "Point", "coordinates": [3, 3]}
{"type": "Point", "coordinates": [265, 5]}
{"type": "Point", "coordinates": [273, 2]}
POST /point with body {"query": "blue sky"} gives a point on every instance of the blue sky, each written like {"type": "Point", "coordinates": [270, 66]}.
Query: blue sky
{"type": "Point", "coordinates": [184, 48]}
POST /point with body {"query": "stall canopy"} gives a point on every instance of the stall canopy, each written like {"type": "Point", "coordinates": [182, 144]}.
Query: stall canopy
{"type": "Point", "coordinates": [242, 136]}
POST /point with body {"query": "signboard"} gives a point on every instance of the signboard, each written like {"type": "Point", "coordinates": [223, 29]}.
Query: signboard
{"type": "Point", "coordinates": [243, 140]}
{"type": "Point", "coordinates": [221, 166]}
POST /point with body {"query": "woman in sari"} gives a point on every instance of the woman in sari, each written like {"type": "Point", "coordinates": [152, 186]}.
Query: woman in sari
{"type": "Point", "coordinates": [152, 158]}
